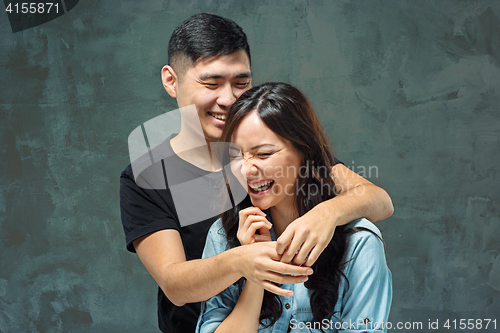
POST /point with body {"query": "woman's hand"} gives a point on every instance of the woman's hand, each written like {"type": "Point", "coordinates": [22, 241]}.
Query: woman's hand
{"type": "Point", "coordinates": [251, 220]}
{"type": "Point", "coordinates": [260, 262]}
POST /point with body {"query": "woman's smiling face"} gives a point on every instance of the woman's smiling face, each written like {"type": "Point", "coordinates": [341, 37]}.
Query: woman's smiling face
{"type": "Point", "coordinates": [265, 163]}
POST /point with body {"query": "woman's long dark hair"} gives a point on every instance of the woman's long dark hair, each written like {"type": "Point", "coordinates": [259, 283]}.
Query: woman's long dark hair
{"type": "Point", "coordinates": [288, 113]}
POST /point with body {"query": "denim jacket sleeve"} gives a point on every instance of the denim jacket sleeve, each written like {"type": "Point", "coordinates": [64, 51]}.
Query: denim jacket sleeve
{"type": "Point", "coordinates": [368, 298]}
{"type": "Point", "coordinates": [216, 309]}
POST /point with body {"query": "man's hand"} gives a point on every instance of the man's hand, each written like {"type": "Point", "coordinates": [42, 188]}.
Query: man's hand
{"type": "Point", "coordinates": [261, 265]}
{"type": "Point", "coordinates": [310, 234]}
{"type": "Point", "coordinates": [251, 220]}
{"type": "Point", "coordinates": [305, 238]}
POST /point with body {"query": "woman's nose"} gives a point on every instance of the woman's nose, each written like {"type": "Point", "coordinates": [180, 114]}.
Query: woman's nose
{"type": "Point", "coordinates": [248, 167]}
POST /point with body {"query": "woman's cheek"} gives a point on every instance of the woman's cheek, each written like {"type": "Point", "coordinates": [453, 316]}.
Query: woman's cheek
{"type": "Point", "coordinates": [236, 170]}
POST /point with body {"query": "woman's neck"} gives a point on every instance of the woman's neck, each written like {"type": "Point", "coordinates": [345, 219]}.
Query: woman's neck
{"type": "Point", "coordinates": [281, 217]}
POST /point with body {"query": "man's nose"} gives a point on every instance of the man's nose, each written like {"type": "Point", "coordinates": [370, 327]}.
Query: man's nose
{"type": "Point", "coordinates": [227, 97]}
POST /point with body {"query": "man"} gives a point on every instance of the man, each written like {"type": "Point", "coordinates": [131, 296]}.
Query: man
{"type": "Point", "coordinates": [209, 67]}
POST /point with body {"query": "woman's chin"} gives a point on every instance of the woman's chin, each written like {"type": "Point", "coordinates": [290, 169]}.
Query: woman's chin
{"type": "Point", "coordinates": [259, 205]}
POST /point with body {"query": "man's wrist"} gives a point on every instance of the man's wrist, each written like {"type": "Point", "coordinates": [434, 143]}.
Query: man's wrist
{"type": "Point", "coordinates": [327, 211]}
{"type": "Point", "coordinates": [235, 260]}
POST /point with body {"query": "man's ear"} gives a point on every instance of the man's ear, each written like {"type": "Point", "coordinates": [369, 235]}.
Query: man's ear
{"type": "Point", "coordinates": [169, 80]}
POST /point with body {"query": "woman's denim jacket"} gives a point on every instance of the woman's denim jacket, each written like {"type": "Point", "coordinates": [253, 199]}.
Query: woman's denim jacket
{"type": "Point", "coordinates": [362, 307]}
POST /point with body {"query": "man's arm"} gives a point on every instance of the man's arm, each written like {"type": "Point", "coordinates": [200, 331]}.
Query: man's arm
{"type": "Point", "coordinates": [356, 198]}
{"type": "Point", "coordinates": [359, 197]}
{"type": "Point", "coordinates": [162, 253]}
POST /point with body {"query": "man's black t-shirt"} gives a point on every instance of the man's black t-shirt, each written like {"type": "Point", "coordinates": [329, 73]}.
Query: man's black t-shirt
{"type": "Point", "coordinates": [147, 205]}
{"type": "Point", "coordinates": [148, 201]}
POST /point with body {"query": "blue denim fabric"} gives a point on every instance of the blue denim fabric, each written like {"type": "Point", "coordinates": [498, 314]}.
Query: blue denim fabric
{"type": "Point", "coordinates": [365, 303]}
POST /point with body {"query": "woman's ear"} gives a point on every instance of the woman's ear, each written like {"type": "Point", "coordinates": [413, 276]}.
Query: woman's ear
{"type": "Point", "coordinates": [169, 80]}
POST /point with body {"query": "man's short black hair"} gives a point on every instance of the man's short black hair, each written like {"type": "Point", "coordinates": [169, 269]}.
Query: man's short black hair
{"type": "Point", "coordinates": [202, 36]}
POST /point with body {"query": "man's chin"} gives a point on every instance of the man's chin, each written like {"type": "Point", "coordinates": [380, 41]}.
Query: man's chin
{"type": "Point", "coordinates": [211, 137]}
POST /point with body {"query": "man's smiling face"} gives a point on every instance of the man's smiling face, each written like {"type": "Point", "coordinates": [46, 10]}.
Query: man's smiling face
{"type": "Point", "coordinates": [213, 84]}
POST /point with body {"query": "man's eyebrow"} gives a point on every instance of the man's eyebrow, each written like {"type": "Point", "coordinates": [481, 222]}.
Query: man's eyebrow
{"type": "Point", "coordinates": [213, 76]}
{"type": "Point", "coordinates": [208, 76]}
{"type": "Point", "coordinates": [243, 75]}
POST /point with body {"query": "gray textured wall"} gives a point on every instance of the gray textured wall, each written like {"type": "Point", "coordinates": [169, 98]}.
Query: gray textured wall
{"type": "Point", "coordinates": [411, 87]}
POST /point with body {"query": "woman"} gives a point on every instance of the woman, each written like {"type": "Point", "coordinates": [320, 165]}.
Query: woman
{"type": "Point", "coordinates": [278, 150]}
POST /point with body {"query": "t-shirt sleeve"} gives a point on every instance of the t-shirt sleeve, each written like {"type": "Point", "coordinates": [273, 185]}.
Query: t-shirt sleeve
{"type": "Point", "coordinates": [143, 211]}
{"type": "Point", "coordinates": [368, 298]}
{"type": "Point", "coordinates": [219, 307]}
{"type": "Point", "coordinates": [336, 161]}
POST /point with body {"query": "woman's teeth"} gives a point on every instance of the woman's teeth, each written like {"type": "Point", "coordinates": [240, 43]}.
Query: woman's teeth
{"type": "Point", "coordinates": [218, 116]}
{"type": "Point", "coordinates": [261, 186]}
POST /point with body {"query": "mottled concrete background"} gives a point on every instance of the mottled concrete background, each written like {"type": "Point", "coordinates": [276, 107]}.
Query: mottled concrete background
{"type": "Point", "coordinates": [409, 87]}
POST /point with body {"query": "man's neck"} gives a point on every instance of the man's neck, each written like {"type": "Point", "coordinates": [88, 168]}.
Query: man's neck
{"type": "Point", "coordinates": [194, 152]}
